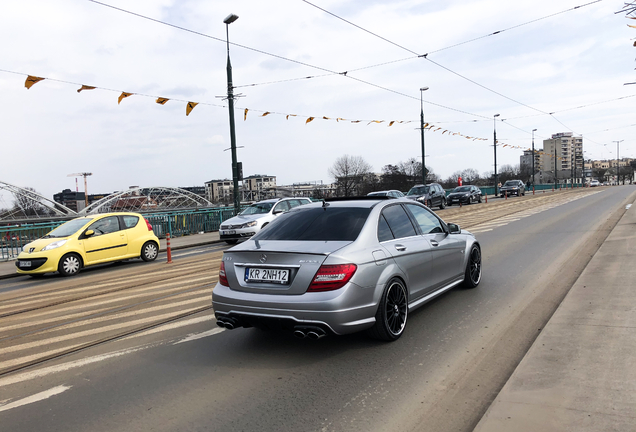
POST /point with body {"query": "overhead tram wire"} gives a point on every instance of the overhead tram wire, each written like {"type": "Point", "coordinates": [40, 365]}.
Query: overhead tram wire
{"type": "Point", "coordinates": [281, 57]}
{"type": "Point", "coordinates": [416, 54]}
{"type": "Point", "coordinates": [425, 56]}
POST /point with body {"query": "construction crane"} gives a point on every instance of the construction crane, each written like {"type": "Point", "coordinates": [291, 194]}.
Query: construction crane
{"type": "Point", "coordinates": [84, 174]}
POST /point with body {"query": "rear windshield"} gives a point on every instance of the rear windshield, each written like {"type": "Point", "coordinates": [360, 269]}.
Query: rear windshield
{"type": "Point", "coordinates": [319, 223]}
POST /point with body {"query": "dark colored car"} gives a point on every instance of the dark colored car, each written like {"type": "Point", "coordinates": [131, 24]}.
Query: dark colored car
{"type": "Point", "coordinates": [512, 187]}
{"type": "Point", "coordinates": [467, 194]}
{"type": "Point", "coordinates": [431, 195]}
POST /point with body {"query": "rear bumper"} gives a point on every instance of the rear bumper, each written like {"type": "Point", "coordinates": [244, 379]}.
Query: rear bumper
{"type": "Point", "coordinates": [347, 310]}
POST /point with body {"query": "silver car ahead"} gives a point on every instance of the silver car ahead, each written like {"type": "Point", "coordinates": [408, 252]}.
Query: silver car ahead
{"type": "Point", "coordinates": [343, 266]}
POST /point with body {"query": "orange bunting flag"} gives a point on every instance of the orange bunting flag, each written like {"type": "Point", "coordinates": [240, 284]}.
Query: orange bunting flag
{"type": "Point", "coordinates": [326, 118]}
{"type": "Point", "coordinates": [355, 121]}
{"type": "Point", "coordinates": [245, 114]}
{"type": "Point", "coordinates": [392, 121]}
{"type": "Point", "coordinates": [122, 96]}
{"type": "Point", "coordinates": [445, 130]}
{"type": "Point", "coordinates": [190, 106]}
{"type": "Point", "coordinates": [265, 113]}
{"type": "Point", "coordinates": [85, 87]}
{"type": "Point", "coordinates": [162, 101]}
{"type": "Point", "coordinates": [631, 26]}
{"type": "Point", "coordinates": [375, 121]}
{"type": "Point", "coordinates": [309, 119]}
{"type": "Point", "coordinates": [340, 118]}
{"type": "Point", "coordinates": [31, 80]}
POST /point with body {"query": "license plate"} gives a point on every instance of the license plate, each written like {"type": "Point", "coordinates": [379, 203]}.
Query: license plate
{"type": "Point", "coordinates": [25, 263]}
{"type": "Point", "coordinates": [228, 232]}
{"type": "Point", "coordinates": [276, 276]}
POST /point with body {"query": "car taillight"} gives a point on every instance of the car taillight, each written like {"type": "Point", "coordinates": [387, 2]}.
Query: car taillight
{"type": "Point", "coordinates": [332, 277]}
{"type": "Point", "coordinates": [222, 278]}
{"type": "Point", "coordinates": [148, 224]}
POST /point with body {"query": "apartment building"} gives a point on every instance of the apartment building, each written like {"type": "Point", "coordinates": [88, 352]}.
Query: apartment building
{"type": "Point", "coordinates": [563, 155]}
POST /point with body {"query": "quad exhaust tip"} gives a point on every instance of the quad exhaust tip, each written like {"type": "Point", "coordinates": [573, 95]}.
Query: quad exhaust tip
{"type": "Point", "coordinates": [310, 332]}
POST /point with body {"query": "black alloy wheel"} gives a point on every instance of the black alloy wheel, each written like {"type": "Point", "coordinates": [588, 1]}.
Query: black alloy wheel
{"type": "Point", "coordinates": [472, 277]}
{"type": "Point", "coordinates": [390, 319]}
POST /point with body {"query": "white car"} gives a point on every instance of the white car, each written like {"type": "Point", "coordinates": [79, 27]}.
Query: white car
{"type": "Point", "coordinates": [594, 183]}
{"type": "Point", "coordinates": [255, 217]}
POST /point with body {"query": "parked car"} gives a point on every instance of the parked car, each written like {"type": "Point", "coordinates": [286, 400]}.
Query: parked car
{"type": "Point", "coordinates": [255, 217]}
{"type": "Point", "coordinates": [467, 194]}
{"type": "Point", "coordinates": [389, 193]}
{"type": "Point", "coordinates": [344, 266]}
{"type": "Point", "coordinates": [512, 187]}
{"type": "Point", "coordinates": [89, 240]}
{"type": "Point", "coordinates": [430, 195]}
{"type": "Point", "coordinates": [595, 183]}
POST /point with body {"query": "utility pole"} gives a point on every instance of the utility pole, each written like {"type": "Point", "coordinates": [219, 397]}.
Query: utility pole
{"type": "Point", "coordinates": [422, 90]}
{"type": "Point", "coordinates": [230, 99]}
{"type": "Point", "coordinates": [556, 182]}
{"type": "Point", "coordinates": [617, 166]}
{"type": "Point", "coordinates": [533, 130]}
{"type": "Point", "coordinates": [494, 125]}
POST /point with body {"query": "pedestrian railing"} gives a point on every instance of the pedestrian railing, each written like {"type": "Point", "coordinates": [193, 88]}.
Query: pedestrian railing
{"type": "Point", "coordinates": [177, 223]}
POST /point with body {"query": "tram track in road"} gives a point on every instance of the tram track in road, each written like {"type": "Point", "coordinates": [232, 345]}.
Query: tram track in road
{"type": "Point", "coordinates": [110, 338]}
{"type": "Point", "coordinates": [178, 272]}
{"type": "Point", "coordinates": [55, 327]}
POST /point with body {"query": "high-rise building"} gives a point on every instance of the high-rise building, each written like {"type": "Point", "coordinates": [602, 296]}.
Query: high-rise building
{"type": "Point", "coordinates": [562, 156]}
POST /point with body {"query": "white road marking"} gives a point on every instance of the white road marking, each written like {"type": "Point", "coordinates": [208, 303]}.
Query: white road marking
{"type": "Point", "coordinates": [195, 336]}
{"type": "Point", "coordinates": [627, 206]}
{"type": "Point", "coordinates": [35, 398]}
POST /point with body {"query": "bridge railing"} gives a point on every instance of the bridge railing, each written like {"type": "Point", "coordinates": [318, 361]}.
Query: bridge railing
{"type": "Point", "coordinates": [177, 223]}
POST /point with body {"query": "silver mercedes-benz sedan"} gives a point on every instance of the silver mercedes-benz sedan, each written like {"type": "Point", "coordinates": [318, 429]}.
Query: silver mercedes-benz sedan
{"type": "Point", "coordinates": [342, 266]}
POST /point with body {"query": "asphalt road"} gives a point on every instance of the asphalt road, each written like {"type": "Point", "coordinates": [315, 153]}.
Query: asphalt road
{"type": "Point", "coordinates": [456, 354]}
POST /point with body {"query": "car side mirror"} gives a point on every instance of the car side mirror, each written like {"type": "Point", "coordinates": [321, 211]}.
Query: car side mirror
{"type": "Point", "coordinates": [454, 228]}
{"type": "Point", "coordinates": [89, 233]}
{"type": "Point", "coordinates": [277, 212]}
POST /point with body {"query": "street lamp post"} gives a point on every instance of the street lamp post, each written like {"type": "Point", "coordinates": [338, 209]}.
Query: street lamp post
{"type": "Point", "coordinates": [617, 163]}
{"type": "Point", "coordinates": [533, 130]}
{"type": "Point", "coordinates": [494, 125]}
{"type": "Point", "coordinates": [422, 90]}
{"type": "Point", "coordinates": [230, 99]}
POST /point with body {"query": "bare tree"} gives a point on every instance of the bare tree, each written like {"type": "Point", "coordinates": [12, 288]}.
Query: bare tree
{"type": "Point", "coordinates": [349, 174]}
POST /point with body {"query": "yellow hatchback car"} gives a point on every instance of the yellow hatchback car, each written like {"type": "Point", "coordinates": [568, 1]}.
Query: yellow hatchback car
{"type": "Point", "coordinates": [87, 241]}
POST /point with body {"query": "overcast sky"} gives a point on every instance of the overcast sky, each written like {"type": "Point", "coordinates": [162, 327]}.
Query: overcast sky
{"type": "Point", "coordinates": [580, 58]}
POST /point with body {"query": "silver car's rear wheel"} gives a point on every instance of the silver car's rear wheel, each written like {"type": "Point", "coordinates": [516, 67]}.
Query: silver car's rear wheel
{"type": "Point", "coordinates": [390, 320]}
{"type": "Point", "coordinates": [472, 276]}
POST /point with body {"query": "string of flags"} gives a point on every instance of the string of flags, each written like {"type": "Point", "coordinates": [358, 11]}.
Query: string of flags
{"type": "Point", "coordinates": [190, 105]}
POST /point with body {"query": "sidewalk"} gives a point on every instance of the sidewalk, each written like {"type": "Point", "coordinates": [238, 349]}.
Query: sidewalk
{"type": "Point", "coordinates": [580, 373]}
{"type": "Point", "coordinates": [7, 268]}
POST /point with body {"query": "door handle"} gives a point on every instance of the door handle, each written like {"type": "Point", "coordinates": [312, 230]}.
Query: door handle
{"type": "Point", "coordinates": [434, 243]}
{"type": "Point", "coordinates": [400, 247]}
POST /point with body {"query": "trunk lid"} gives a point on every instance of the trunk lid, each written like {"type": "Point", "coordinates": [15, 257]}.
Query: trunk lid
{"type": "Point", "coordinates": [276, 267]}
